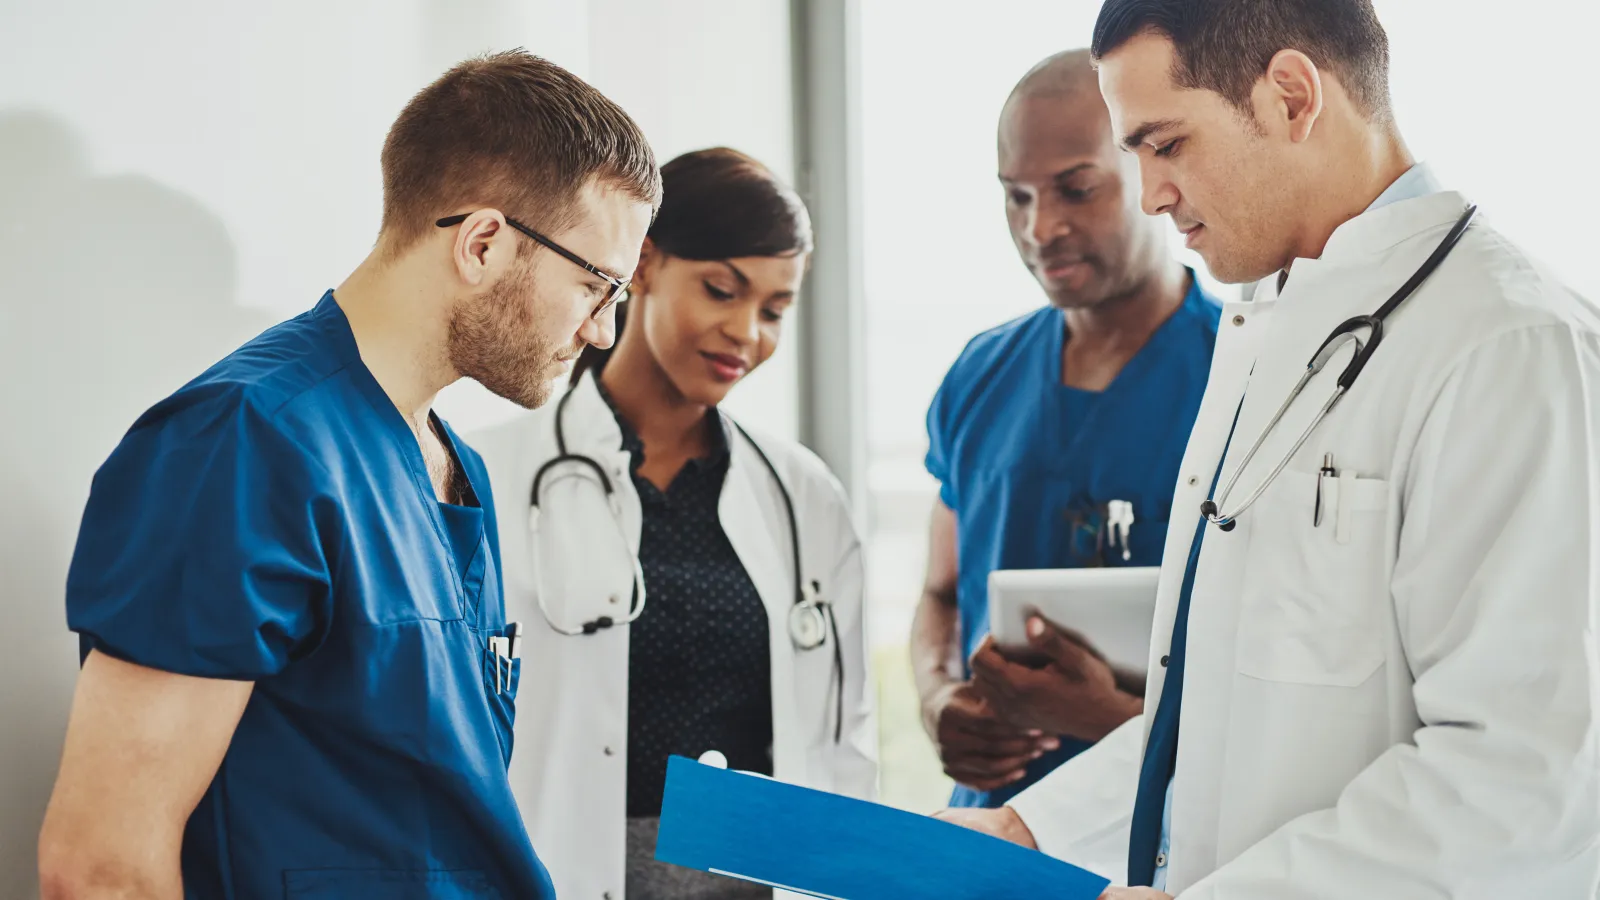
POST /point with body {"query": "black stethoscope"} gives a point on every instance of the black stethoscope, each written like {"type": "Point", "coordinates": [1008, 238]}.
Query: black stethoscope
{"type": "Point", "coordinates": [811, 619]}
{"type": "Point", "coordinates": [1342, 335]}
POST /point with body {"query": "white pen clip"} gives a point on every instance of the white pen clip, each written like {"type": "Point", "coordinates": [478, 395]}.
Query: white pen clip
{"type": "Point", "coordinates": [505, 649]}
{"type": "Point", "coordinates": [498, 649]}
{"type": "Point", "coordinates": [1326, 472]}
{"type": "Point", "coordinates": [1119, 525]}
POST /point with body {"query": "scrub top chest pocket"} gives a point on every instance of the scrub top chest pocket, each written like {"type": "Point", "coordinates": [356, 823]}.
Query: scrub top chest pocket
{"type": "Point", "coordinates": [1312, 599]}
{"type": "Point", "coordinates": [1112, 532]}
{"type": "Point", "coordinates": [496, 643]}
{"type": "Point", "coordinates": [502, 673]}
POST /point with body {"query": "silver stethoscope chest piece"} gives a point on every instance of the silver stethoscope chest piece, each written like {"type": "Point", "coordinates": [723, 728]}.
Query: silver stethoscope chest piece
{"type": "Point", "coordinates": [808, 622]}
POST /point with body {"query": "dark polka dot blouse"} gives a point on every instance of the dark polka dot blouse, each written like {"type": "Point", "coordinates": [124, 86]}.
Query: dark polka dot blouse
{"type": "Point", "coordinates": [699, 662]}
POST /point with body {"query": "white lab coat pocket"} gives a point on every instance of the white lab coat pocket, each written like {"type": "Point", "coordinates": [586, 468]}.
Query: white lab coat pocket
{"type": "Point", "coordinates": [1312, 595]}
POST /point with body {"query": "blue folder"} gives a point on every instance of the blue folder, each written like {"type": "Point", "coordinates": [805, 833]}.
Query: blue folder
{"type": "Point", "coordinates": [751, 827]}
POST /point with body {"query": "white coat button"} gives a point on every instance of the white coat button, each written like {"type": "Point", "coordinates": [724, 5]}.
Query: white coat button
{"type": "Point", "coordinates": [614, 600]}
{"type": "Point", "coordinates": [606, 895]}
{"type": "Point", "coordinates": [610, 752]}
{"type": "Point", "coordinates": [1238, 320]}
{"type": "Point", "coordinates": [1165, 660]}
{"type": "Point", "coordinates": [1194, 480]}
{"type": "Point", "coordinates": [1161, 860]}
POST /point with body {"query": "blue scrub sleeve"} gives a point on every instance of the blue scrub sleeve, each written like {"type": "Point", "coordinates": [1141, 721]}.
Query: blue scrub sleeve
{"type": "Point", "coordinates": [205, 546]}
{"type": "Point", "coordinates": [938, 461]}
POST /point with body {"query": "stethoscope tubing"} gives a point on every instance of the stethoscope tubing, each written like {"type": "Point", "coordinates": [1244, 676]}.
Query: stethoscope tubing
{"type": "Point", "coordinates": [1345, 333]}
{"type": "Point", "coordinates": [805, 604]}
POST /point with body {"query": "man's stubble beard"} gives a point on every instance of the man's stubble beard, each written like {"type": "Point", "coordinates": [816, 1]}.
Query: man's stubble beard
{"type": "Point", "coordinates": [496, 340]}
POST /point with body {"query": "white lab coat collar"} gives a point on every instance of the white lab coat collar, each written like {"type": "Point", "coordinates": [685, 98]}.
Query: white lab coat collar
{"type": "Point", "coordinates": [1417, 181]}
{"type": "Point", "coordinates": [589, 423]}
{"type": "Point", "coordinates": [1379, 229]}
{"type": "Point", "coordinates": [592, 423]}
{"type": "Point", "coordinates": [1356, 241]}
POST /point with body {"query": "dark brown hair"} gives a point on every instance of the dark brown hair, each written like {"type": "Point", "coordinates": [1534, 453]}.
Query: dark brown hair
{"type": "Point", "coordinates": [510, 131]}
{"type": "Point", "coordinates": [1224, 46]}
{"type": "Point", "coordinates": [719, 204]}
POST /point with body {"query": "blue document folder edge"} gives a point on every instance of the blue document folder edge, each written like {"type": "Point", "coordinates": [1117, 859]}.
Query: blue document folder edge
{"type": "Point", "coordinates": [799, 839]}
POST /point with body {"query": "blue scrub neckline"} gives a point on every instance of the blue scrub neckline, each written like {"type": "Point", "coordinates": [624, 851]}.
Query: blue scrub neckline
{"type": "Point", "coordinates": [337, 325]}
{"type": "Point", "coordinates": [1193, 298]}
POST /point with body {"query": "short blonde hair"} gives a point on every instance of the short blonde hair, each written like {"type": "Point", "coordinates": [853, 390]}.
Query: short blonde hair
{"type": "Point", "coordinates": [510, 131]}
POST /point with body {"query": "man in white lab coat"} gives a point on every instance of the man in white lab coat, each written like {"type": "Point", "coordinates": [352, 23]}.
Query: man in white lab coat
{"type": "Point", "coordinates": [1381, 680]}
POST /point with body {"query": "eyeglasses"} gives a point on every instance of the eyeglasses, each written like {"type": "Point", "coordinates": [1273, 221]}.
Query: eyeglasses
{"type": "Point", "coordinates": [618, 285]}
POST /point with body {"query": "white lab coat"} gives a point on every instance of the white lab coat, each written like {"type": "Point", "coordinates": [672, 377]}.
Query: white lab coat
{"type": "Point", "coordinates": [1404, 702]}
{"type": "Point", "coordinates": [569, 762]}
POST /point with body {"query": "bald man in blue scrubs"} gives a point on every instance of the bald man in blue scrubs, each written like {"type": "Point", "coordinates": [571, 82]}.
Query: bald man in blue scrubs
{"type": "Point", "coordinates": [1048, 426]}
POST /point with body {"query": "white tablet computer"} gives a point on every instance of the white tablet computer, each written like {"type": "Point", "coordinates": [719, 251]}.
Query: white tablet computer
{"type": "Point", "coordinates": [1112, 608]}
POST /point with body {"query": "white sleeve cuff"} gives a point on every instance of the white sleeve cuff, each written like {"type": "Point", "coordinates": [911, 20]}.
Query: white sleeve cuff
{"type": "Point", "coordinates": [1081, 812]}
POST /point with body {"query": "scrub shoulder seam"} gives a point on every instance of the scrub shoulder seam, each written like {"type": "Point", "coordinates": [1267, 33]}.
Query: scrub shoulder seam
{"type": "Point", "coordinates": [277, 410]}
{"type": "Point", "coordinates": [274, 412]}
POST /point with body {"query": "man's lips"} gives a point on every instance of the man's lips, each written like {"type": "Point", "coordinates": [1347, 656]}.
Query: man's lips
{"type": "Point", "coordinates": [1061, 267]}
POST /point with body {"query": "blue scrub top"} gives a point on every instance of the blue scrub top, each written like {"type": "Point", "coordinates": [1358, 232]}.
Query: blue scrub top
{"type": "Point", "coordinates": [1029, 466]}
{"type": "Point", "coordinates": [273, 521]}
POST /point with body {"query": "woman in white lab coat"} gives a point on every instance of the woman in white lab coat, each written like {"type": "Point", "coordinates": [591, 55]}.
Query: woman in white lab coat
{"type": "Point", "coordinates": [718, 643]}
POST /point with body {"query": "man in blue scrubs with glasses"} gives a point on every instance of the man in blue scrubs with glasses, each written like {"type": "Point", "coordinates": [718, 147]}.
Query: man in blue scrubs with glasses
{"type": "Point", "coordinates": [298, 678]}
{"type": "Point", "coordinates": [1045, 429]}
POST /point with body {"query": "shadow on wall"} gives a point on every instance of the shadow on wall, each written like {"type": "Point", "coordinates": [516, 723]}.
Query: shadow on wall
{"type": "Point", "coordinates": [114, 291]}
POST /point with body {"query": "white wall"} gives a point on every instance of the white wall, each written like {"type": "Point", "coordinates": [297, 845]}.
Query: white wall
{"type": "Point", "coordinates": [175, 175]}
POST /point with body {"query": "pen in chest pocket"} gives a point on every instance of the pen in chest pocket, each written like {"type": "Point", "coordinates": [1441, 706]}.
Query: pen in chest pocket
{"type": "Point", "coordinates": [1327, 471]}
{"type": "Point", "coordinates": [505, 649]}
{"type": "Point", "coordinates": [1119, 526]}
